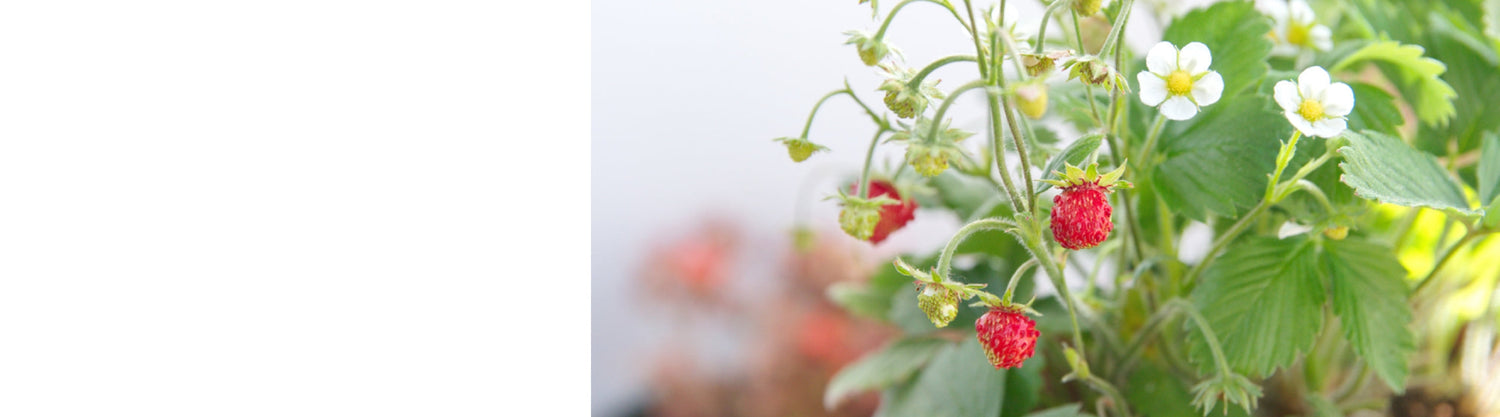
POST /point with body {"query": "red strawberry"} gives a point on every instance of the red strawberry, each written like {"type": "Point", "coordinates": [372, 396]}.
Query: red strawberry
{"type": "Point", "coordinates": [892, 216]}
{"type": "Point", "coordinates": [1081, 213]}
{"type": "Point", "coordinates": [1007, 336]}
{"type": "Point", "coordinates": [1081, 216]}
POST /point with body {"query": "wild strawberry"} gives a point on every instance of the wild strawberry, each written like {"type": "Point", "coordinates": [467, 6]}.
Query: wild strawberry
{"type": "Point", "coordinates": [1007, 336]}
{"type": "Point", "coordinates": [938, 302]}
{"type": "Point", "coordinates": [799, 148]}
{"type": "Point", "coordinates": [1081, 213]}
{"type": "Point", "coordinates": [1032, 99]}
{"type": "Point", "coordinates": [893, 216]}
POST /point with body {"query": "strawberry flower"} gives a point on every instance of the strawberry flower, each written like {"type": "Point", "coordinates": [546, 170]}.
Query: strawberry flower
{"type": "Point", "coordinates": [1294, 27]}
{"type": "Point", "coordinates": [1313, 105]}
{"type": "Point", "coordinates": [1177, 82]}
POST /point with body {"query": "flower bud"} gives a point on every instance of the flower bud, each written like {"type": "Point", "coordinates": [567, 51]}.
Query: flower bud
{"type": "Point", "coordinates": [1336, 233]}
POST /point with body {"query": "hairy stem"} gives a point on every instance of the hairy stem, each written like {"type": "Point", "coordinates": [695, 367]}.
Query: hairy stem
{"type": "Point", "coordinates": [864, 175]}
{"type": "Point", "coordinates": [945, 261]}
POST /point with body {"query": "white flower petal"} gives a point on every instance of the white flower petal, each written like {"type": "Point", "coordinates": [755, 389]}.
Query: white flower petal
{"type": "Point", "coordinates": [1338, 100]}
{"type": "Point", "coordinates": [1153, 89]}
{"type": "Point", "coordinates": [1287, 96]}
{"type": "Point", "coordinates": [1291, 228]}
{"type": "Point", "coordinates": [1178, 108]}
{"type": "Point", "coordinates": [1298, 11]}
{"type": "Point", "coordinates": [1194, 58]}
{"type": "Point", "coordinates": [1298, 122]}
{"type": "Point", "coordinates": [1274, 9]}
{"type": "Point", "coordinates": [1322, 38]}
{"type": "Point", "coordinates": [1312, 82]}
{"type": "Point", "coordinates": [1284, 50]}
{"type": "Point", "coordinates": [1162, 59]}
{"type": "Point", "coordinates": [1207, 90]}
{"type": "Point", "coordinates": [1327, 128]}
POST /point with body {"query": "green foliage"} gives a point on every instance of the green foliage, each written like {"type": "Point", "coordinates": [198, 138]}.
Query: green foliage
{"type": "Point", "coordinates": [957, 382]}
{"type": "Point", "coordinates": [1217, 162]}
{"type": "Point", "coordinates": [1065, 410]}
{"type": "Point", "coordinates": [1472, 68]}
{"type": "Point", "coordinates": [894, 363]}
{"type": "Point", "coordinates": [1376, 110]}
{"type": "Point", "coordinates": [1381, 167]}
{"type": "Point", "coordinates": [1264, 299]}
{"type": "Point", "coordinates": [1489, 169]}
{"type": "Point", "coordinates": [1433, 98]}
{"type": "Point", "coordinates": [1369, 296]}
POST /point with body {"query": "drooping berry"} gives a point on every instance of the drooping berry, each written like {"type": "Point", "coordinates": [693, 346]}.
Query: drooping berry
{"type": "Point", "coordinates": [1081, 213]}
{"type": "Point", "coordinates": [858, 220]}
{"type": "Point", "coordinates": [892, 216]}
{"type": "Point", "coordinates": [1032, 98]}
{"type": "Point", "coordinates": [938, 302]}
{"type": "Point", "coordinates": [800, 149]}
{"type": "Point", "coordinates": [1007, 336]}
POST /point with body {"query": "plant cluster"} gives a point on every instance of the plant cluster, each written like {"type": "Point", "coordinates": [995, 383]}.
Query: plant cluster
{"type": "Point", "coordinates": [1323, 147]}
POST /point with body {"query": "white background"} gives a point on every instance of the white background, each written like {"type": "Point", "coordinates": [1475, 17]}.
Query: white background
{"type": "Point", "coordinates": [289, 208]}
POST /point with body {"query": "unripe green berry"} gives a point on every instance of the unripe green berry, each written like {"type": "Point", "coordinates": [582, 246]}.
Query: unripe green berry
{"type": "Point", "coordinates": [859, 220]}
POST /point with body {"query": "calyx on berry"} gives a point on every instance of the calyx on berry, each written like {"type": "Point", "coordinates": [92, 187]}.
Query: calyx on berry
{"type": "Point", "coordinates": [871, 49]}
{"type": "Point", "coordinates": [1007, 336]}
{"type": "Point", "coordinates": [929, 154]}
{"type": "Point", "coordinates": [859, 215]}
{"type": "Point", "coordinates": [1094, 71]}
{"type": "Point", "coordinates": [800, 148]}
{"type": "Point", "coordinates": [1075, 176]}
{"type": "Point", "coordinates": [938, 297]}
{"type": "Point", "coordinates": [903, 97]}
{"type": "Point", "coordinates": [892, 216]}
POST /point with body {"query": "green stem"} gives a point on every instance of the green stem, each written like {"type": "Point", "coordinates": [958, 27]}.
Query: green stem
{"type": "Point", "coordinates": [1208, 332]}
{"type": "Point", "coordinates": [880, 34]}
{"type": "Point", "coordinates": [1087, 88]}
{"type": "Point", "coordinates": [864, 175]}
{"type": "Point", "coordinates": [916, 81]}
{"type": "Point", "coordinates": [1223, 240]}
{"type": "Point", "coordinates": [1010, 288]}
{"type": "Point", "coordinates": [1444, 261]}
{"type": "Point", "coordinates": [1288, 150]}
{"type": "Point", "coordinates": [879, 121]}
{"type": "Point", "coordinates": [945, 261]}
{"type": "Point", "coordinates": [1039, 251]}
{"type": "Point", "coordinates": [808, 126]}
{"type": "Point", "coordinates": [1151, 137]}
{"type": "Point", "coordinates": [1041, 32]}
{"type": "Point", "coordinates": [1118, 31]}
{"type": "Point", "coordinates": [937, 118]}
{"type": "Point", "coordinates": [974, 34]}
{"type": "Point", "coordinates": [998, 147]}
{"type": "Point", "coordinates": [1015, 135]}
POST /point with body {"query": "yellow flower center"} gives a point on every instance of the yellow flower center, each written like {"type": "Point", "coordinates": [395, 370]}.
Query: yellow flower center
{"type": "Point", "coordinates": [1311, 110]}
{"type": "Point", "coordinates": [1297, 34]}
{"type": "Point", "coordinates": [1179, 83]}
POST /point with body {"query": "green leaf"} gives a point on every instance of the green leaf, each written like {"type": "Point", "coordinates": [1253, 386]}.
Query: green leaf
{"type": "Point", "coordinates": [1232, 33]}
{"type": "Point", "coordinates": [962, 193]}
{"type": "Point", "coordinates": [1489, 168]}
{"type": "Point", "coordinates": [1383, 168]}
{"type": "Point", "coordinates": [1217, 162]}
{"type": "Point", "coordinates": [1434, 100]}
{"type": "Point", "coordinates": [1023, 386]}
{"type": "Point", "coordinates": [1472, 64]}
{"type": "Point", "coordinates": [1264, 300]}
{"type": "Point", "coordinates": [1075, 154]}
{"type": "Point", "coordinates": [1376, 110]}
{"type": "Point", "coordinates": [1369, 296]}
{"type": "Point", "coordinates": [891, 364]}
{"type": "Point", "coordinates": [959, 381]}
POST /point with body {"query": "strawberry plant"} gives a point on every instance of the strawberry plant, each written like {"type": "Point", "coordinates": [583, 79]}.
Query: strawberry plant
{"type": "Point", "coordinates": [1280, 208]}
